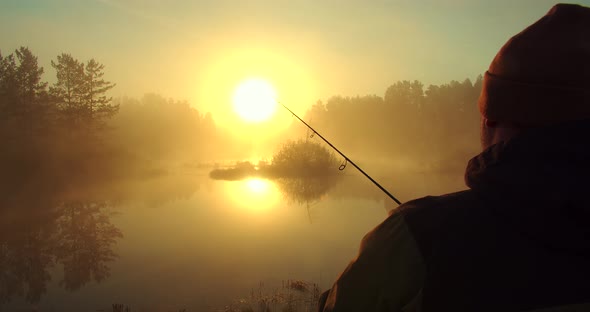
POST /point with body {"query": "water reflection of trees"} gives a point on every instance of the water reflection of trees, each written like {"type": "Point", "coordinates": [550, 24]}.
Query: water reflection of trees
{"type": "Point", "coordinates": [306, 190]}
{"type": "Point", "coordinates": [85, 240]}
{"type": "Point", "coordinates": [77, 236]}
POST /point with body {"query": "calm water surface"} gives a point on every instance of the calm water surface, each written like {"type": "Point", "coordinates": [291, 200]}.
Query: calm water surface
{"type": "Point", "coordinates": [184, 241]}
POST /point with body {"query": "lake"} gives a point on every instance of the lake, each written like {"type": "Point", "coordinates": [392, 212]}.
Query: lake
{"type": "Point", "coordinates": [181, 240]}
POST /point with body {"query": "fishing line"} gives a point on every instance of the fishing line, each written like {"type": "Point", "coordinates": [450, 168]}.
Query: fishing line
{"type": "Point", "coordinates": [346, 159]}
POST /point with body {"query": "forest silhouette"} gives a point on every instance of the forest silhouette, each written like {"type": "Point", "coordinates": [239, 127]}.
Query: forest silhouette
{"type": "Point", "coordinates": [62, 141]}
{"type": "Point", "coordinates": [73, 127]}
{"type": "Point", "coordinates": [429, 129]}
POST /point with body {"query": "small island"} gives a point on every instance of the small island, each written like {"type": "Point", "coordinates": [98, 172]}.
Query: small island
{"type": "Point", "coordinates": [295, 159]}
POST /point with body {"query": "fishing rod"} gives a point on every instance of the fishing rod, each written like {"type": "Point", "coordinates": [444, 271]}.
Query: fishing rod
{"type": "Point", "coordinates": [346, 159]}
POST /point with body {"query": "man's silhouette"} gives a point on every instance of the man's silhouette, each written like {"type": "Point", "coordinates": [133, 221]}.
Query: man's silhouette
{"type": "Point", "coordinates": [519, 238]}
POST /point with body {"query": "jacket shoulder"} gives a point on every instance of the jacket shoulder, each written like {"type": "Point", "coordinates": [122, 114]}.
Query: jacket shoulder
{"type": "Point", "coordinates": [387, 274]}
{"type": "Point", "coordinates": [437, 210]}
{"type": "Point", "coordinates": [428, 217]}
{"type": "Point", "coordinates": [434, 205]}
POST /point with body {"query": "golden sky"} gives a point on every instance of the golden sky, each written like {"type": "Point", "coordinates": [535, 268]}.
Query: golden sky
{"type": "Point", "coordinates": [308, 50]}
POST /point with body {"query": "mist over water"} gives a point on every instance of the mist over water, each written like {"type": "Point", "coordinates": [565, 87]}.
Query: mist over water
{"type": "Point", "coordinates": [155, 207]}
{"type": "Point", "coordinates": [159, 204]}
{"type": "Point", "coordinates": [177, 239]}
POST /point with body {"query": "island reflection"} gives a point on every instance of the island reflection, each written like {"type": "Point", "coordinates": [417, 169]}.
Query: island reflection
{"type": "Point", "coordinates": [304, 171]}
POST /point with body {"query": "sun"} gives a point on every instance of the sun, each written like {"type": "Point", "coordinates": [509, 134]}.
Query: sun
{"type": "Point", "coordinates": [254, 100]}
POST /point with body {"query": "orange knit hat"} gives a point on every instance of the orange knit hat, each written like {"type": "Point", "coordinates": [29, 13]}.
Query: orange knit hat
{"type": "Point", "coordinates": [542, 75]}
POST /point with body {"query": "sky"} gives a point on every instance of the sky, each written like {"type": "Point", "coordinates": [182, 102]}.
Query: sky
{"type": "Point", "coordinates": [308, 50]}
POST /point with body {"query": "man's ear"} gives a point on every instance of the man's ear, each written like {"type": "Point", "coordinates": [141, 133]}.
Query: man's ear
{"type": "Point", "coordinates": [490, 123]}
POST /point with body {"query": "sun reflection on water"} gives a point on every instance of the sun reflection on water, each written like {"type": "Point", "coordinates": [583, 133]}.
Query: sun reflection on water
{"type": "Point", "coordinates": [258, 186]}
{"type": "Point", "coordinates": [254, 195]}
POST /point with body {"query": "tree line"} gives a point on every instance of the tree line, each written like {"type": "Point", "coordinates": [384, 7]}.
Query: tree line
{"type": "Point", "coordinates": [71, 129]}
{"type": "Point", "coordinates": [433, 128]}
{"type": "Point", "coordinates": [30, 106]}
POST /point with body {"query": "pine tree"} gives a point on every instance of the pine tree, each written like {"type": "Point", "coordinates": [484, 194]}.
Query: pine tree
{"type": "Point", "coordinates": [80, 92]}
{"type": "Point", "coordinates": [98, 105]}
{"type": "Point", "coordinates": [24, 95]}
{"type": "Point", "coordinates": [68, 91]}
{"type": "Point", "coordinates": [8, 88]}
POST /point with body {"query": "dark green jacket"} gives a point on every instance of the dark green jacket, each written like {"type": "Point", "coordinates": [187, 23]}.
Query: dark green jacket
{"type": "Point", "coordinates": [517, 240]}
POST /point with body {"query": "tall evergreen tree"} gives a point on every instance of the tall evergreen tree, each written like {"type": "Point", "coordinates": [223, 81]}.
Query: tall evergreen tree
{"type": "Point", "coordinates": [28, 94]}
{"type": "Point", "coordinates": [98, 105]}
{"type": "Point", "coordinates": [28, 75]}
{"type": "Point", "coordinates": [8, 94]}
{"type": "Point", "coordinates": [68, 91]}
{"type": "Point", "coordinates": [80, 91]}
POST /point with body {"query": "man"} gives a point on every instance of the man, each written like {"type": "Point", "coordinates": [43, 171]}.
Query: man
{"type": "Point", "coordinates": [519, 238]}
